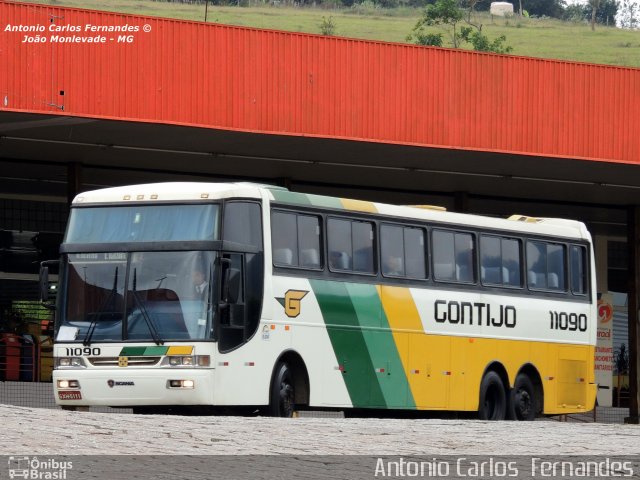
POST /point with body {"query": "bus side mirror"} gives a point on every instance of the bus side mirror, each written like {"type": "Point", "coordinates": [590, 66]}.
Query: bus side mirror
{"type": "Point", "coordinates": [45, 285]}
{"type": "Point", "coordinates": [231, 282]}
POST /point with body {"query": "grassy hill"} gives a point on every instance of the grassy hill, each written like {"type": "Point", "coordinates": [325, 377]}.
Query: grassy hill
{"type": "Point", "coordinates": [546, 38]}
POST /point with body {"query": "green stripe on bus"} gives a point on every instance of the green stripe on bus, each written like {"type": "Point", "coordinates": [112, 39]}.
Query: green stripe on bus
{"type": "Point", "coordinates": [306, 199]}
{"type": "Point", "coordinates": [290, 197]}
{"type": "Point", "coordinates": [381, 345]}
{"type": "Point", "coordinates": [132, 351]}
{"type": "Point", "coordinates": [348, 343]}
{"type": "Point", "coordinates": [156, 351]}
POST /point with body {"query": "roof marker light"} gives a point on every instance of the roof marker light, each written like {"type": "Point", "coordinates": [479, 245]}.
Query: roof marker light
{"type": "Point", "coordinates": [127, 197]}
{"type": "Point", "coordinates": [140, 197]}
{"type": "Point", "coordinates": [204, 195]}
{"type": "Point", "coordinates": [154, 196]}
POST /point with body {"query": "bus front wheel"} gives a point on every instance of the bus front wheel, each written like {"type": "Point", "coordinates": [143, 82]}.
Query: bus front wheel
{"type": "Point", "coordinates": [282, 392]}
{"type": "Point", "coordinates": [493, 398]}
{"type": "Point", "coordinates": [522, 401]}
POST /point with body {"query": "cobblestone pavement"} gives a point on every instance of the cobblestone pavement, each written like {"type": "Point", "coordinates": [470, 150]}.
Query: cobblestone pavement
{"type": "Point", "coordinates": [27, 431]}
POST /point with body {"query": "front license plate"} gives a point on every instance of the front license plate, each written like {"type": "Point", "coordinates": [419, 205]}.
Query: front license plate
{"type": "Point", "coordinates": [69, 395]}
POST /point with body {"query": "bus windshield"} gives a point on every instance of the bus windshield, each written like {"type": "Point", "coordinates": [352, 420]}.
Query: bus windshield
{"type": "Point", "coordinates": [143, 296]}
{"type": "Point", "coordinates": [143, 223]}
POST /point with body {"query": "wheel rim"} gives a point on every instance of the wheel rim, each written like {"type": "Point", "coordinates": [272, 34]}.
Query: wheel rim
{"type": "Point", "coordinates": [524, 404]}
{"type": "Point", "coordinates": [286, 398]}
{"type": "Point", "coordinates": [491, 402]}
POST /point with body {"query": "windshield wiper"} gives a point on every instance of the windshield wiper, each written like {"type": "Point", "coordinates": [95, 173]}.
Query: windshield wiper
{"type": "Point", "coordinates": [145, 315]}
{"type": "Point", "coordinates": [92, 326]}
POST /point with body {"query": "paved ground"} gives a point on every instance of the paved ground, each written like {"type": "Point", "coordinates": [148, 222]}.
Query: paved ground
{"type": "Point", "coordinates": [28, 431]}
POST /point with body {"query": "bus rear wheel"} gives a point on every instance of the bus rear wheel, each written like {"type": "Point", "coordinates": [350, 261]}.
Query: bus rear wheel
{"type": "Point", "coordinates": [493, 398]}
{"type": "Point", "coordinates": [522, 401]}
{"type": "Point", "coordinates": [282, 392]}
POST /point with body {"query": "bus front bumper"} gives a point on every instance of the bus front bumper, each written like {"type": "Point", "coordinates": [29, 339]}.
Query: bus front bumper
{"type": "Point", "coordinates": [134, 387]}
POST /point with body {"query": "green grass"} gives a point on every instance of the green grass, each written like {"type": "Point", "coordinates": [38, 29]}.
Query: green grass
{"type": "Point", "coordinates": [546, 38]}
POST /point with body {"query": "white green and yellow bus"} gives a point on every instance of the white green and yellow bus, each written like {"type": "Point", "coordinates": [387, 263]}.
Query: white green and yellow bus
{"type": "Point", "coordinates": [242, 295]}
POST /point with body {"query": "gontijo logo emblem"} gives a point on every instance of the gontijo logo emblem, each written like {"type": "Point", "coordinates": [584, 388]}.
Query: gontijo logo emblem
{"type": "Point", "coordinates": [292, 302]}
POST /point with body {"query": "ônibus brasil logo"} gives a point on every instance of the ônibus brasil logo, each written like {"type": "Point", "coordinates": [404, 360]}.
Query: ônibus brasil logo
{"type": "Point", "coordinates": [37, 469]}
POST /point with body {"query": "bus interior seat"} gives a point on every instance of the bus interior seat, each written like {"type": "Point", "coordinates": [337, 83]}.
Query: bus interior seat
{"type": "Point", "coordinates": [532, 278]}
{"type": "Point", "coordinates": [339, 260]}
{"type": "Point", "coordinates": [309, 257]}
{"type": "Point", "coordinates": [283, 256]}
{"type": "Point", "coordinates": [463, 273]}
{"type": "Point", "coordinates": [363, 260]}
{"type": "Point", "coordinates": [490, 275]}
{"type": "Point", "coordinates": [553, 281]}
{"type": "Point", "coordinates": [443, 271]}
{"type": "Point", "coordinates": [505, 276]}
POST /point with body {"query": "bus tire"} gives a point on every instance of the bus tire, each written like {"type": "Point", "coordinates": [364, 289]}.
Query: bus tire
{"type": "Point", "coordinates": [281, 401]}
{"type": "Point", "coordinates": [493, 398]}
{"type": "Point", "coordinates": [522, 400]}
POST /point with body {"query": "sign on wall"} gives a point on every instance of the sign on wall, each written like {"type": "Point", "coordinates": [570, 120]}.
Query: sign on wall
{"type": "Point", "coordinates": [604, 350]}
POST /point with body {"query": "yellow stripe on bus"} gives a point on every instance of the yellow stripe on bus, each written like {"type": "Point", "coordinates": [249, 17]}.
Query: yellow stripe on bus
{"type": "Point", "coordinates": [180, 350]}
{"type": "Point", "coordinates": [411, 342]}
{"type": "Point", "coordinates": [358, 205]}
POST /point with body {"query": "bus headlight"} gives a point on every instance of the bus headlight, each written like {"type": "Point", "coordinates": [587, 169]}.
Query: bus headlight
{"type": "Point", "coordinates": [68, 384]}
{"type": "Point", "coordinates": [180, 384]}
{"type": "Point", "coordinates": [187, 361]}
{"type": "Point", "coordinates": [70, 362]}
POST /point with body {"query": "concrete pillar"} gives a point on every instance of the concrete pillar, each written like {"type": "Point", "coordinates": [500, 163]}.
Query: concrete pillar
{"type": "Point", "coordinates": [461, 202]}
{"type": "Point", "coordinates": [74, 180]}
{"type": "Point", "coordinates": [633, 225]}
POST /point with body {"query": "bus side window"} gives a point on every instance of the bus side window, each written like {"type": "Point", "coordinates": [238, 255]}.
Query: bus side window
{"type": "Point", "coordinates": [283, 239]}
{"type": "Point", "coordinates": [243, 224]}
{"type": "Point", "coordinates": [578, 270]}
{"type": "Point", "coordinates": [350, 245]}
{"type": "Point", "coordinates": [295, 240]}
{"type": "Point", "coordinates": [453, 257]}
{"type": "Point", "coordinates": [546, 266]}
{"type": "Point", "coordinates": [500, 261]}
{"type": "Point", "coordinates": [403, 251]}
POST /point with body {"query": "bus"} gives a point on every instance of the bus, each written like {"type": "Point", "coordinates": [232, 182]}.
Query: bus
{"type": "Point", "coordinates": [239, 295]}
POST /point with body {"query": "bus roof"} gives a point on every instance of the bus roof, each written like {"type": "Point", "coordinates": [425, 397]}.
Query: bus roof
{"type": "Point", "coordinates": [201, 191]}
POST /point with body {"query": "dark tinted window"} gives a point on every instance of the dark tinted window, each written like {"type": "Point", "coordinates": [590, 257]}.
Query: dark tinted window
{"type": "Point", "coordinates": [546, 266]}
{"type": "Point", "coordinates": [295, 239]}
{"type": "Point", "coordinates": [350, 245]}
{"type": "Point", "coordinates": [500, 261]}
{"type": "Point", "coordinates": [284, 239]}
{"type": "Point", "coordinates": [242, 223]}
{"type": "Point", "coordinates": [403, 251]}
{"type": "Point", "coordinates": [578, 270]}
{"type": "Point", "coordinates": [453, 256]}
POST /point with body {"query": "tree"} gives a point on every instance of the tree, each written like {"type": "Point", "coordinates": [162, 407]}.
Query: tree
{"type": "Point", "coordinates": [594, 4]}
{"type": "Point", "coordinates": [442, 13]}
{"type": "Point", "coordinates": [605, 14]}
{"type": "Point", "coordinates": [549, 8]}
{"type": "Point", "coordinates": [447, 15]}
{"type": "Point", "coordinates": [629, 14]}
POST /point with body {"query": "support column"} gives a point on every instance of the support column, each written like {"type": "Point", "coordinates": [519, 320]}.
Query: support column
{"type": "Point", "coordinates": [633, 239]}
{"type": "Point", "coordinates": [74, 180]}
{"type": "Point", "coordinates": [461, 202]}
